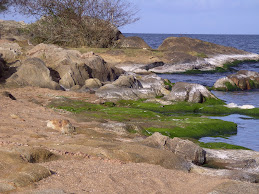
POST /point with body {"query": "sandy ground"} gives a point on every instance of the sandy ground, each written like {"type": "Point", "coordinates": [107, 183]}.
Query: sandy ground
{"type": "Point", "coordinates": [23, 123]}
{"type": "Point", "coordinates": [96, 176]}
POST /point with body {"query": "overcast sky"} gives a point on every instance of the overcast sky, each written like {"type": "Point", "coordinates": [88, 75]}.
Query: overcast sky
{"type": "Point", "coordinates": [192, 17]}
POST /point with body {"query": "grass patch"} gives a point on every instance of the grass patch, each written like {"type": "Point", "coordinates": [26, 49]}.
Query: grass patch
{"type": "Point", "coordinates": [221, 145]}
{"type": "Point", "coordinates": [169, 84]}
{"type": "Point", "coordinates": [196, 127]}
{"type": "Point", "coordinates": [178, 120]}
{"type": "Point", "coordinates": [152, 117]}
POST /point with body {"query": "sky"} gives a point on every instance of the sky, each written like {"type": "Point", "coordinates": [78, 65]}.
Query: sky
{"type": "Point", "coordinates": [190, 17]}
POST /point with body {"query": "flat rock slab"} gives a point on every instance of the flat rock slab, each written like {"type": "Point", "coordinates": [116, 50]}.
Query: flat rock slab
{"type": "Point", "coordinates": [15, 172]}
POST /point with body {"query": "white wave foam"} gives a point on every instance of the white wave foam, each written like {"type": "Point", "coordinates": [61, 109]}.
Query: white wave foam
{"type": "Point", "coordinates": [233, 105]}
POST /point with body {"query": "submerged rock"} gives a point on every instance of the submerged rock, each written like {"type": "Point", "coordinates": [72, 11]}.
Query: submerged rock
{"type": "Point", "coordinates": [242, 80]}
{"type": "Point", "coordinates": [195, 93]}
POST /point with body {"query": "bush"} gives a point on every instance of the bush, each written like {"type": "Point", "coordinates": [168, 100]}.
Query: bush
{"type": "Point", "coordinates": [66, 32]}
{"type": "Point", "coordinates": [77, 23]}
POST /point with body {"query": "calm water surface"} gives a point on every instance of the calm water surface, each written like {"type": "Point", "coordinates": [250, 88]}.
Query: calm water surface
{"type": "Point", "coordinates": [248, 128]}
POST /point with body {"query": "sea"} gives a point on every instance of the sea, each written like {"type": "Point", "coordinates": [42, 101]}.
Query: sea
{"type": "Point", "coordinates": [248, 127]}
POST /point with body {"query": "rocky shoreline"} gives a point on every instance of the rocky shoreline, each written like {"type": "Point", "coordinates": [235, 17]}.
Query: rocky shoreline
{"type": "Point", "coordinates": [62, 110]}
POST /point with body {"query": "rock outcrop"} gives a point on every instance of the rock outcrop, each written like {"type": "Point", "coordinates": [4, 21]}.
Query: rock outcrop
{"type": "Point", "coordinates": [16, 172]}
{"type": "Point", "coordinates": [13, 30]}
{"type": "Point", "coordinates": [181, 54]}
{"type": "Point", "coordinates": [73, 67]}
{"type": "Point", "coordinates": [33, 72]}
{"type": "Point", "coordinates": [242, 80]}
{"type": "Point", "coordinates": [186, 44]}
{"type": "Point", "coordinates": [195, 93]}
{"type": "Point", "coordinates": [133, 42]}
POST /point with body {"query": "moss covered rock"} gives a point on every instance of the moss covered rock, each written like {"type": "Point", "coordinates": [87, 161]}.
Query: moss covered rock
{"type": "Point", "coordinates": [242, 80]}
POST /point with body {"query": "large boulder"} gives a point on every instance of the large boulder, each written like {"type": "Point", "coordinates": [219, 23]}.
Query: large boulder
{"type": "Point", "coordinates": [127, 81]}
{"type": "Point", "coordinates": [128, 87]}
{"type": "Point", "coordinates": [99, 69]}
{"type": "Point", "coordinates": [93, 83]}
{"type": "Point", "coordinates": [153, 81]}
{"type": "Point", "coordinates": [242, 80]}
{"type": "Point", "coordinates": [133, 42]}
{"type": "Point", "coordinates": [183, 148]}
{"type": "Point", "coordinates": [195, 93]}
{"type": "Point", "coordinates": [73, 67]}
{"type": "Point", "coordinates": [33, 72]}
{"type": "Point", "coordinates": [187, 149]}
{"type": "Point", "coordinates": [10, 51]}
{"type": "Point", "coordinates": [72, 74]}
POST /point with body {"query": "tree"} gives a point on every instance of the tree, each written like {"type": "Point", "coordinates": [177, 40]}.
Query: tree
{"type": "Point", "coordinates": [3, 5]}
{"type": "Point", "coordinates": [78, 22]}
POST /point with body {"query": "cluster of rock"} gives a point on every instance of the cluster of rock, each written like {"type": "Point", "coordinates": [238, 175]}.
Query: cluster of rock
{"type": "Point", "coordinates": [240, 165]}
{"type": "Point", "coordinates": [242, 80]}
{"type": "Point", "coordinates": [49, 66]}
{"type": "Point", "coordinates": [53, 67]}
{"type": "Point", "coordinates": [181, 54]}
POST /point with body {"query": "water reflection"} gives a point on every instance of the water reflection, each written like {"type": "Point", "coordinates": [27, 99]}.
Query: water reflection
{"type": "Point", "coordinates": [247, 132]}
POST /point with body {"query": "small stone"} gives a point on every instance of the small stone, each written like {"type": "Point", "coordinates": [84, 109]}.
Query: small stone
{"type": "Point", "coordinates": [13, 116]}
{"type": "Point", "coordinates": [62, 125]}
{"type": "Point", "coordinates": [8, 94]}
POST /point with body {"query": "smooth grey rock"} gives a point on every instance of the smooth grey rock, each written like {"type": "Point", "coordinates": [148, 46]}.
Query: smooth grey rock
{"type": "Point", "coordinates": [33, 72]}
{"type": "Point", "coordinates": [183, 91]}
{"type": "Point", "coordinates": [112, 92]}
{"type": "Point", "coordinates": [127, 81]}
{"type": "Point", "coordinates": [93, 83]}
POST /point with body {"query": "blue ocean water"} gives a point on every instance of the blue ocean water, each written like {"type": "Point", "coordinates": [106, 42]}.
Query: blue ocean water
{"type": "Point", "coordinates": [248, 128]}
